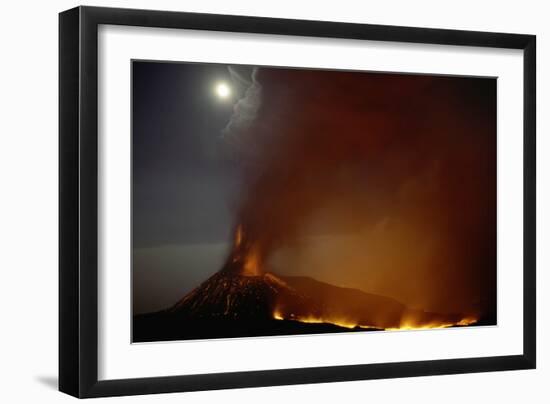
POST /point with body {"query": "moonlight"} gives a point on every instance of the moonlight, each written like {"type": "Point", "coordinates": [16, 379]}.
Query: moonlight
{"type": "Point", "coordinates": [223, 91]}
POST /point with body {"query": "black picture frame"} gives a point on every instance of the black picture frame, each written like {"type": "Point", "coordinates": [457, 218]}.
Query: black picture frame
{"type": "Point", "coordinates": [78, 201]}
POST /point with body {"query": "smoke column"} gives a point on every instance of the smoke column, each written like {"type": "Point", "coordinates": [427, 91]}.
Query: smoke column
{"type": "Point", "coordinates": [403, 167]}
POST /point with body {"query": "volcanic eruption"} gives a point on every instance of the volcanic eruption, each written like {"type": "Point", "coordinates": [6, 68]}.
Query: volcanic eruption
{"type": "Point", "coordinates": [381, 182]}
{"type": "Point", "coordinates": [241, 299]}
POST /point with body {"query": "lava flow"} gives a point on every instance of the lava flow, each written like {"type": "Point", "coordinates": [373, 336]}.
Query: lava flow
{"type": "Point", "coordinates": [277, 315]}
{"type": "Point", "coordinates": [405, 325]}
{"type": "Point", "coordinates": [308, 305]}
{"type": "Point", "coordinates": [245, 291]}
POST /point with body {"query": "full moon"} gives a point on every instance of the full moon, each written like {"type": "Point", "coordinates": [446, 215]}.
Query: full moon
{"type": "Point", "coordinates": [223, 90]}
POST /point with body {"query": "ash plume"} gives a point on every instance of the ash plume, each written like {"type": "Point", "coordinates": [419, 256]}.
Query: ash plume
{"type": "Point", "coordinates": [404, 166]}
{"type": "Point", "coordinates": [246, 108]}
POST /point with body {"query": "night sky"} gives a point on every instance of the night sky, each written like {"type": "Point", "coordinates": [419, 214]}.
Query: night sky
{"type": "Point", "coordinates": [382, 182]}
{"type": "Point", "coordinates": [181, 186]}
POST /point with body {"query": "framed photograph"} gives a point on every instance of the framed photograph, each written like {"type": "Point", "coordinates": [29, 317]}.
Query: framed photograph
{"type": "Point", "coordinates": [251, 201]}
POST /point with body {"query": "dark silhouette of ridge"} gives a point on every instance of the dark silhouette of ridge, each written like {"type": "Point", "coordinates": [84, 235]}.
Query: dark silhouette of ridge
{"type": "Point", "coordinates": [229, 304]}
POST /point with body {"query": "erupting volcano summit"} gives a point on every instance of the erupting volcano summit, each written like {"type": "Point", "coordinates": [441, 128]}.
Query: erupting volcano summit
{"type": "Point", "coordinates": [243, 300]}
{"type": "Point", "coordinates": [277, 201]}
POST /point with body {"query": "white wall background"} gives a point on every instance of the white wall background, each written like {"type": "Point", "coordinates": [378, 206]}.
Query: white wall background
{"type": "Point", "coordinates": [28, 202]}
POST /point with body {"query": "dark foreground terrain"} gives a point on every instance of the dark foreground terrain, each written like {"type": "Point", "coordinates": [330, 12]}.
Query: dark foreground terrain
{"type": "Point", "coordinates": [164, 326]}
{"type": "Point", "coordinates": [229, 305]}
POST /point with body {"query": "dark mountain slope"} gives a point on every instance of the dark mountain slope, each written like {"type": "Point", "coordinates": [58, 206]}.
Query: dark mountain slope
{"type": "Point", "coordinates": [229, 304]}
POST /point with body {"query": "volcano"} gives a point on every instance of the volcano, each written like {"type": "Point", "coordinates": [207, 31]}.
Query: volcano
{"type": "Point", "coordinates": [230, 304]}
{"type": "Point", "coordinates": [228, 295]}
{"type": "Point", "coordinates": [233, 304]}
{"type": "Point", "coordinates": [244, 300]}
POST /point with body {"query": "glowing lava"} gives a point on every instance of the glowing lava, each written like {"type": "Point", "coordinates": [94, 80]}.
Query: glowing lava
{"type": "Point", "coordinates": [246, 260]}
{"type": "Point", "coordinates": [277, 315]}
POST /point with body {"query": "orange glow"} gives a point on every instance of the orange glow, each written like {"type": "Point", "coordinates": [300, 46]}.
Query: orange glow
{"type": "Point", "coordinates": [411, 325]}
{"type": "Point", "coordinates": [251, 266]}
{"type": "Point", "coordinates": [245, 254]}
{"type": "Point", "coordinates": [415, 323]}
{"type": "Point", "coordinates": [278, 315]}
{"type": "Point", "coordinates": [238, 236]}
{"type": "Point", "coordinates": [427, 326]}
{"type": "Point", "coordinates": [318, 320]}
{"type": "Point", "coordinates": [467, 321]}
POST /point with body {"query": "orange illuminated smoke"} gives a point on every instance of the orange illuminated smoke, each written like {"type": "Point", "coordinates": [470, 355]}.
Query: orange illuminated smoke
{"type": "Point", "coordinates": [238, 236]}
{"type": "Point", "coordinates": [246, 260]}
{"type": "Point", "coordinates": [251, 265]}
{"type": "Point", "coordinates": [245, 255]}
